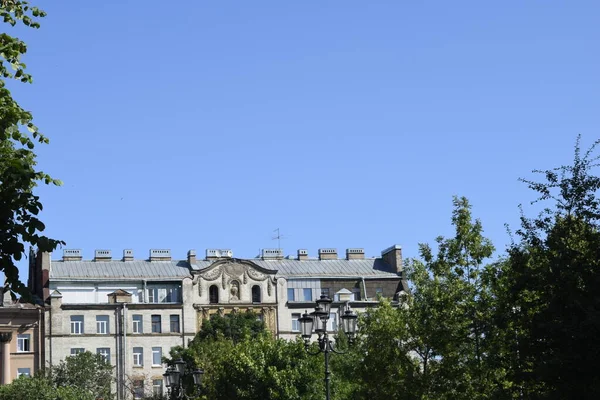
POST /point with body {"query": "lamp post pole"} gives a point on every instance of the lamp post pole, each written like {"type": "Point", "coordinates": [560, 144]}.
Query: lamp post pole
{"type": "Point", "coordinates": [174, 380]}
{"type": "Point", "coordinates": [319, 319]}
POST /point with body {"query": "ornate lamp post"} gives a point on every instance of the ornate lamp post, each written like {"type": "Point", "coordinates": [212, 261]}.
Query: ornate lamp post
{"type": "Point", "coordinates": [318, 319]}
{"type": "Point", "coordinates": [174, 380]}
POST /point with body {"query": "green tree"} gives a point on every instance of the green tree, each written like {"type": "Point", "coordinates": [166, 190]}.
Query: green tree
{"type": "Point", "coordinates": [551, 288]}
{"type": "Point", "coordinates": [41, 388]}
{"type": "Point", "coordinates": [235, 326]}
{"type": "Point", "coordinates": [19, 206]}
{"type": "Point", "coordinates": [86, 371]}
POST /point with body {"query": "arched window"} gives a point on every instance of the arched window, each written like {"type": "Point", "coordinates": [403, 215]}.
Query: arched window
{"type": "Point", "coordinates": [213, 294]}
{"type": "Point", "coordinates": [256, 294]}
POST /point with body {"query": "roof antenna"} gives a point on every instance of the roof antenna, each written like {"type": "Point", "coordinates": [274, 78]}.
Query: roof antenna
{"type": "Point", "coordinates": [278, 237]}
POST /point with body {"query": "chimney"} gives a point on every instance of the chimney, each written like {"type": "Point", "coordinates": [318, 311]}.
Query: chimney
{"type": "Point", "coordinates": [302, 254]}
{"type": "Point", "coordinates": [212, 254]}
{"type": "Point", "coordinates": [72, 255]}
{"type": "Point", "coordinates": [355, 254]}
{"type": "Point", "coordinates": [393, 257]}
{"type": "Point", "coordinates": [272, 254]}
{"type": "Point", "coordinates": [102, 255]}
{"type": "Point", "coordinates": [160, 255]}
{"type": "Point", "coordinates": [192, 257]}
{"type": "Point", "coordinates": [327, 254]}
{"type": "Point", "coordinates": [127, 255]}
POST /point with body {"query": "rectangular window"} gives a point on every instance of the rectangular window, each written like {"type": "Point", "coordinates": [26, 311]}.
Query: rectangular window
{"type": "Point", "coordinates": [152, 295]}
{"type": "Point", "coordinates": [173, 295]}
{"type": "Point", "coordinates": [356, 292]}
{"type": "Point", "coordinates": [295, 323]}
{"type": "Point", "coordinates": [138, 356]}
{"type": "Point", "coordinates": [332, 323]}
{"type": "Point", "coordinates": [138, 324]}
{"type": "Point", "coordinates": [138, 389]}
{"type": "Point", "coordinates": [77, 350]}
{"type": "Point", "coordinates": [23, 371]}
{"type": "Point", "coordinates": [156, 356]}
{"type": "Point", "coordinates": [104, 352]}
{"type": "Point", "coordinates": [156, 324]}
{"type": "Point", "coordinates": [291, 294]}
{"type": "Point", "coordinates": [77, 324]}
{"type": "Point", "coordinates": [378, 292]}
{"type": "Point", "coordinates": [157, 388]}
{"type": "Point", "coordinates": [325, 292]}
{"type": "Point", "coordinates": [23, 342]}
{"type": "Point", "coordinates": [174, 322]}
{"type": "Point", "coordinates": [102, 324]}
{"type": "Point", "coordinates": [307, 292]}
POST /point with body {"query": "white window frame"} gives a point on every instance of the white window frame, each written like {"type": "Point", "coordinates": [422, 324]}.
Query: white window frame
{"type": "Point", "coordinates": [104, 352]}
{"type": "Point", "coordinates": [102, 324]}
{"type": "Point", "coordinates": [23, 343]}
{"type": "Point", "coordinates": [332, 323]}
{"type": "Point", "coordinates": [138, 356]}
{"type": "Point", "coordinates": [24, 371]}
{"type": "Point", "coordinates": [157, 388]}
{"type": "Point", "coordinates": [155, 351]}
{"type": "Point", "coordinates": [295, 322]}
{"type": "Point", "coordinates": [76, 350]}
{"type": "Point", "coordinates": [137, 325]}
{"type": "Point", "coordinates": [77, 325]}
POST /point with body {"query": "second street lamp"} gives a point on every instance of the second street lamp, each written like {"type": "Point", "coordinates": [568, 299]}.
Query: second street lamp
{"type": "Point", "coordinates": [317, 320]}
{"type": "Point", "coordinates": [174, 380]}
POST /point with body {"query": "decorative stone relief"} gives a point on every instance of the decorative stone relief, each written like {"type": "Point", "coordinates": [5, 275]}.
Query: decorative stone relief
{"type": "Point", "coordinates": [245, 277]}
{"type": "Point", "coordinates": [223, 281]}
{"type": "Point", "coordinates": [235, 290]}
{"type": "Point", "coordinates": [212, 274]}
{"type": "Point", "coordinates": [269, 287]}
{"type": "Point", "coordinates": [234, 269]}
{"type": "Point", "coordinates": [257, 276]}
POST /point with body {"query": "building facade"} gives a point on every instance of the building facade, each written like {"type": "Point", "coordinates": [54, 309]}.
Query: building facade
{"type": "Point", "coordinates": [133, 311]}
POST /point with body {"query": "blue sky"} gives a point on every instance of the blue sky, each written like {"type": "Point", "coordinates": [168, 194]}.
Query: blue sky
{"type": "Point", "coordinates": [209, 124]}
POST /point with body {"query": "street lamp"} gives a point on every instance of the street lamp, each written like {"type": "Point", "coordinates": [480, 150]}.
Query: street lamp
{"type": "Point", "coordinates": [318, 320]}
{"type": "Point", "coordinates": [174, 379]}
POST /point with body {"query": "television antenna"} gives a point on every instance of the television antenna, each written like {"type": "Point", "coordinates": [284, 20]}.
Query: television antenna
{"type": "Point", "coordinates": [278, 237]}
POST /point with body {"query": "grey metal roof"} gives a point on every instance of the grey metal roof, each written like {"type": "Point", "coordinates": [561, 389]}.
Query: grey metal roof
{"type": "Point", "coordinates": [369, 267]}
{"type": "Point", "coordinates": [144, 269]}
{"type": "Point", "coordinates": [139, 269]}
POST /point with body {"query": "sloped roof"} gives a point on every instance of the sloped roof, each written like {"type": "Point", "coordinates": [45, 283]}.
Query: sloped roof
{"type": "Point", "coordinates": [138, 269]}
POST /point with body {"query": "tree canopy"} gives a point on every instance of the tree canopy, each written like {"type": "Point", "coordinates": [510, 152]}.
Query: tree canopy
{"type": "Point", "coordinates": [19, 206]}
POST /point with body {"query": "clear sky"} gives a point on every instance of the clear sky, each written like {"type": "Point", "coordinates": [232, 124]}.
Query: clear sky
{"type": "Point", "coordinates": [208, 124]}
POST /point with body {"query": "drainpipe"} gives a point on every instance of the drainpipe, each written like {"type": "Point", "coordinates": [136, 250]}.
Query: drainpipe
{"type": "Point", "coordinates": [364, 287]}
{"type": "Point", "coordinates": [124, 326]}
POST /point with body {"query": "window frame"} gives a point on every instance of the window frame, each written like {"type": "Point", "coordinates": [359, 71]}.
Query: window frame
{"type": "Point", "coordinates": [137, 324]}
{"type": "Point", "coordinates": [104, 352]}
{"type": "Point", "coordinates": [156, 322]}
{"type": "Point", "coordinates": [157, 350]}
{"type": "Point", "coordinates": [171, 323]}
{"type": "Point", "coordinates": [296, 322]}
{"type": "Point", "coordinates": [157, 388]}
{"type": "Point", "coordinates": [21, 372]}
{"type": "Point", "coordinates": [76, 350]}
{"type": "Point", "coordinates": [24, 343]}
{"type": "Point", "coordinates": [103, 324]}
{"type": "Point", "coordinates": [305, 291]}
{"type": "Point", "coordinates": [256, 294]}
{"type": "Point", "coordinates": [138, 356]}
{"type": "Point", "coordinates": [138, 389]}
{"type": "Point", "coordinates": [213, 294]}
{"type": "Point", "coordinates": [77, 324]}
{"type": "Point", "coordinates": [293, 296]}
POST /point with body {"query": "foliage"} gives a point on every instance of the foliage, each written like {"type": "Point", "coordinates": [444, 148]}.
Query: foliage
{"type": "Point", "coordinates": [243, 361]}
{"type": "Point", "coordinates": [235, 326]}
{"type": "Point", "coordinates": [19, 207]}
{"type": "Point", "coordinates": [551, 287]}
{"type": "Point", "coordinates": [86, 371]}
{"type": "Point", "coordinates": [41, 388]}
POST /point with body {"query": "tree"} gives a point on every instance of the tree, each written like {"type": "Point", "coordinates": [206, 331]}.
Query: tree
{"type": "Point", "coordinates": [86, 371]}
{"type": "Point", "coordinates": [551, 288]}
{"type": "Point", "coordinates": [41, 388]}
{"type": "Point", "coordinates": [19, 206]}
{"type": "Point", "coordinates": [242, 361]}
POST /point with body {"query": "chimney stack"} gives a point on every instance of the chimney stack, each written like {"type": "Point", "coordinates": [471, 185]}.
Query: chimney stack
{"type": "Point", "coordinates": [327, 254]}
{"type": "Point", "coordinates": [302, 254]}
{"type": "Point", "coordinates": [393, 257]}
{"type": "Point", "coordinates": [102, 255]}
{"type": "Point", "coordinates": [72, 255]}
{"type": "Point", "coordinates": [127, 255]}
{"type": "Point", "coordinates": [212, 254]}
{"type": "Point", "coordinates": [160, 255]}
{"type": "Point", "coordinates": [355, 254]}
{"type": "Point", "coordinates": [191, 256]}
